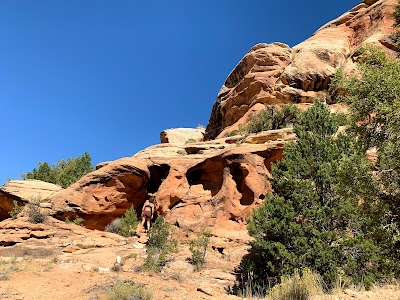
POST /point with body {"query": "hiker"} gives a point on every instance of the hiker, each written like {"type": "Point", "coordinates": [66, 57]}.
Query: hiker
{"type": "Point", "coordinates": [147, 213]}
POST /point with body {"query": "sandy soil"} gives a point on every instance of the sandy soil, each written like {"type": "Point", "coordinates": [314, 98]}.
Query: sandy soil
{"type": "Point", "coordinates": [39, 273]}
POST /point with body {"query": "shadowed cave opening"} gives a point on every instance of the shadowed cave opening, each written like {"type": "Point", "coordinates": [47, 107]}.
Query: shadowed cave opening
{"type": "Point", "coordinates": [157, 175]}
{"type": "Point", "coordinates": [239, 174]}
{"type": "Point", "coordinates": [209, 174]}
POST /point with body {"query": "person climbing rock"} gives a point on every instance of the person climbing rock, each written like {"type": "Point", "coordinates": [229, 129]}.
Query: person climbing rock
{"type": "Point", "coordinates": [147, 213]}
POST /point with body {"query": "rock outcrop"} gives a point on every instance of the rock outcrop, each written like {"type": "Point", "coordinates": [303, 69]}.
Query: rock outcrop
{"type": "Point", "coordinates": [182, 136]}
{"type": "Point", "coordinates": [55, 233]}
{"type": "Point", "coordinates": [197, 184]}
{"type": "Point", "coordinates": [24, 191]}
{"type": "Point", "coordinates": [276, 74]}
{"type": "Point", "coordinates": [216, 183]}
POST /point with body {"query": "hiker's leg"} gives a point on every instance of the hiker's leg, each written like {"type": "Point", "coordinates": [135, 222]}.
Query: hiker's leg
{"type": "Point", "coordinates": [143, 220]}
{"type": "Point", "coordinates": [148, 223]}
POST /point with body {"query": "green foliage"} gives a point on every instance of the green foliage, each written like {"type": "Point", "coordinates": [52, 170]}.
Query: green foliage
{"type": "Point", "coordinates": [64, 172]}
{"type": "Point", "coordinates": [16, 210]}
{"type": "Point", "coordinates": [297, 286]}
{"type": "Point", "coordinates": [232, 133]}
{"type": "Point", "coordinates": [307, 222]}
{"type": "Point", "coordinates": [128, 291]}
{"type": "Point", "coordinates": [198, 248]}
{"type": "Point", "coordinates": [78, 221]}
{"type": "Point", "coordinates": [271, 118]}
{"type": "Point", "coordinates": [128, 223]}
{"type": "Point", "coordinates": [190, 141]}
{"type": "Point", "coordinates": [159, 245]}
{"type": "Point", "coordinates": [374, 102]}
{"type": "Point", "coordinates": [397, 14]}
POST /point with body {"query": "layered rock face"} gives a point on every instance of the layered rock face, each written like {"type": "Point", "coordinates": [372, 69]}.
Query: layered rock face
{"type": "Point", "coordinates": [24, 191]}
{"type": "Point", "coordinates": [276, 74]}
{"type": "Point", "coordinates": [217, 183]}
{"type": "Point", "coordinates": [195, 185]}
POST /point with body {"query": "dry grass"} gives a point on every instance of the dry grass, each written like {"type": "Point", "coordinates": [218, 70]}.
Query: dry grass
{"type": "Point", "coordinates": [297, 286]}
{"type": "Point", "coordinates": [127, 291]}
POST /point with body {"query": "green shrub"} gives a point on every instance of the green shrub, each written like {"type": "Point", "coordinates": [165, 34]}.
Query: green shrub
{"type": "Point", "coordinates": [190, 141]}
{"type": "Point", "coordinates": [16, 210]}
{"type": "Point", "coordinates": [78, 221]}
{"type": "Point", "coordinates": [232, 133]}
{"type": "Point", "coordinates": [64, 172]}
{"type": "Point", "coordinates": [159, 245]}
{"type": "Point", "coordinates": [198, 248]}
{"type": "Point", "coordinates": [128, 291]}
{"type": "Point", "coordinates": [271, 118]}
{"type": "Point", "coordinates": [128, 223]}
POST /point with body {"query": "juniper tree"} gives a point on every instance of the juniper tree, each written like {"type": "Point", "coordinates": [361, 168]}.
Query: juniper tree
{"type": "Point", "coordinates": [64, 172]}
{"type": "Point", "coordinates": [374, 102]}
{"type": "Point", "coordinates": [306, 222]}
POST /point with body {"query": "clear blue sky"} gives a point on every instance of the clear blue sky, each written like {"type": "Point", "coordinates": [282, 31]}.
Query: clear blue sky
{"type": "Point", "coordinates": [107, 77]}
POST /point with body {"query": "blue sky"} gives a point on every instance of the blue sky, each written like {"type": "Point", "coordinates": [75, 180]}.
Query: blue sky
{"type": "Point", "coordinates": [107, 77]}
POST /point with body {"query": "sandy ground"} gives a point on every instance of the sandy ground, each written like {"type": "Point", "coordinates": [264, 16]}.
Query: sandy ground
{"type": "Point", "coordinates": [43, 273]}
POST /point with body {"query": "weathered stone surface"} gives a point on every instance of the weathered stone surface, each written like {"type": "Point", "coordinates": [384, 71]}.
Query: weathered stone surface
{"type": "Point", "coordinates": [195, 185]}
{"type": "Point", "coordinates": [182, 136]}
{"type": "Point", "coordinates": [24, 191]}
{"type": "Point", "coordinates": [55, 233]}
{"type": "Point", "coordinates": [276, 74]}
{"type": "Point", "coordinates": [271, 135]}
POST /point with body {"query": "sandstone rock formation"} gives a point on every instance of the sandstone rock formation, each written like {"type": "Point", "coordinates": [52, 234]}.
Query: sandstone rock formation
{"type": "Point", "coordinates": [276, 74]}
{"type": "Point", "coordinates": [182, 135]}
{"type": "Point", "coordinates": [217, 183]}
{"type": "Point", "coordinates": [54, 233]}
{"type": "Point", "coordinates": [24, 191]}
{"type": "Point", "coordinates": [197, 184]}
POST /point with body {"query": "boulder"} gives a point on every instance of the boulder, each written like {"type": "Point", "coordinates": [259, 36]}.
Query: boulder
{"type": "Point", "coordinates": [55, 233]}
{"type": "Point", "coordinates": [182, 136]}
{"type": "Point", "coordinates": [24, 191]}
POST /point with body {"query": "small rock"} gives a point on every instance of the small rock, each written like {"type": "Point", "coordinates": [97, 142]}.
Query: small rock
{"type": "Point", "coordinates": [205, 290]}
{"type": "Point", "coordinates": [71, 249]}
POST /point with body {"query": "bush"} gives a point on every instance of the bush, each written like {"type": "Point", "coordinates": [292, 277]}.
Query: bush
{"type": "Point", "coordinates": [232, 133]}
{"type": "Point", "coordinates": [297, 287]}
{"type": "Point", "coordinates": [129, 223]}
{"type": "Point", "coordinates": [35, 214]}
{"type": "Point", "coordinates": [16, 210]}
{"type": "Point", "coordinates": [159, 245]}
{"type": "Point", "coordinates": [125, 226]}
{"type": "Point", "coordinates": [198, 248]}
{"type": "Point", "coordinates": [64, 172]}
{"type": "Point", "coordinates": [271, 118]}
{"type": "Point", "coordinates": [114, 226]}
{"type": "Point", "coordinates": [128, 291]}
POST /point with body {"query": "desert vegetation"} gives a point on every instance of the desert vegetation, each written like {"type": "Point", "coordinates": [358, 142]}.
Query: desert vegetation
{"type": "Point", "coordinates": [126, 225]}
{"type": "Point", "coordinates": [198, 248]}
{"type": "Point", "coordinates": [62, 173]}
{"type": "Point", "coordinates": [333, 210]}
{"type": "Point", "coordinates": [160, 244]}
{"type": "Point", "coordinates": [269, 118]}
